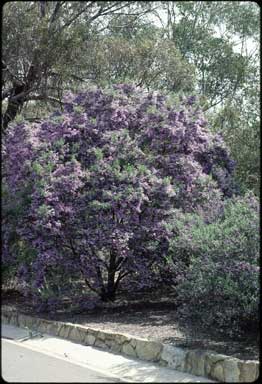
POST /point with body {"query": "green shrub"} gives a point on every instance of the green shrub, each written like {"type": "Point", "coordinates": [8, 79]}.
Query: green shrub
{"type": "Point", "coordinates": [219, 280]}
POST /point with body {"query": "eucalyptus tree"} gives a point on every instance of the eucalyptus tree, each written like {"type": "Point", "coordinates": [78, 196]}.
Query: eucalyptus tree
{"type": "Point", "coordinates": [221, 39]}
{"type": "Point", "coordinates": [214, 36]}
{"type": "Point", "coordinates": [144, 58]}
{"type": "Point", "coordinates": [42, 43]}
{"type": "Point", "coordinates": [239, 121]}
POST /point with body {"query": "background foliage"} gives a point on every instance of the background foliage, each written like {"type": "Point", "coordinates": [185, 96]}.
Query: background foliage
{"type": "Point", "coordinates": [221, 284]}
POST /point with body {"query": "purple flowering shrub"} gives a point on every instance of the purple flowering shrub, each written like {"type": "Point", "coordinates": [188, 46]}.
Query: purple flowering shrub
{"type": "Point", "coordinates": [96, 185]}
{"type": "Point", "coordinates": [218, 281]}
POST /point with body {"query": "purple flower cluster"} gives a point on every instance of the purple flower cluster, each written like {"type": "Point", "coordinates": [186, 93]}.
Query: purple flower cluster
{"type": "Point", "coordinates": [99, 182]}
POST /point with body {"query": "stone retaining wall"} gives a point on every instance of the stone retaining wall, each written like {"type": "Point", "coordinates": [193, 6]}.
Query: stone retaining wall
{"type": "Point", "coordinates": [214, 366]}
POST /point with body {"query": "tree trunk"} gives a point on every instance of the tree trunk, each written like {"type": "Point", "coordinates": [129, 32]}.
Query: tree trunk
{"type": "Point", "coordinates": [108, 296]}
{"type": "Point", "coordinates": [20, 91]}
{"type": "Point", "coordinates": [14, 105]}
{"type": "Point", "coordinates": [109, 293]}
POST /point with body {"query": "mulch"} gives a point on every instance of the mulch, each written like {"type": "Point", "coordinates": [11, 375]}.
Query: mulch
{"type": "Point", "coordinates": [147, 317]}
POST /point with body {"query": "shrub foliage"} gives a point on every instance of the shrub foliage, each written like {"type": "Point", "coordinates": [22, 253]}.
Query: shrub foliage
{"type": "Point", "coordinates": [90, 191]}
{"type": "Point", "coordinates": [218, 279]}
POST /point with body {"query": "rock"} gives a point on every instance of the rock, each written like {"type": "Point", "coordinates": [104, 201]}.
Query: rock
{"type": "Point", "coordinates": [215, 357]}
{"type": "Point", "coordinates": [115, 347]}
{"type": "Point", "coordinates": [82, 334]}
{"type": "Point", "coordinates": [217, 372]}
{"type": "Point", "coordinates": [210, 360]}
{"type": "Point", "coordinates": [75, 335]}
{"type": "Point", "coordinates": [100, 344]}
{"type": "Point", "coordinates": [148, 350]}
{"type": "Point", "coordinates": [249, 371]}
{"type": "Point", "coordinates": [89, 339]}
{"type": "Point", "coordinates": [53, 329]}
{"type": "Point", "coordinates": [64, 331]}
{"type": "Point", "coordinates": [162, 363]}
{"type": "Point", "coordinates": [195, 362]}
{"type": "Point", "coordinates": [111, 342]}
{"type": "Point", "coordinates": [121, 338]}
{"type": "Point", "coordinates": [59, 327]}
{"type": "Point", "coordinates": [43, 326]}
{"type": "Point", "coordinates": [174, 357]}
{"type": "Point", "coordinates": [128, 349]}
{"type": "Point", "coordinates": [101, 335]}
{"type": "Point", "coordinates": [231, 370]}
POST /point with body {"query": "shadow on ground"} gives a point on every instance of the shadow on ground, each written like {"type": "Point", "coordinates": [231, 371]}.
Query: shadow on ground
{"type": "Point", "coordinates": [152, 319]}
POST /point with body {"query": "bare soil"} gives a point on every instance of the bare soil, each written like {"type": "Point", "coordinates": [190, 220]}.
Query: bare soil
{"type": "Point", "coordinates": [155, 319]}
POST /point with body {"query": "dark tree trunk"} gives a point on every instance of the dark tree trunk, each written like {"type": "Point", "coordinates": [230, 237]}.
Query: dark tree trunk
{"type": "Point", "coordinates": [14, 105]}
{"type": "Point", "coordinates": [101, 283]}
{"type": "Point", "coordinates": [109, 293]}
{"type": "Point", "coordinates": [108, 296]}
{"type": "Point", "coordinates": [20, 91]}
{"type": "Point", "coordinates": [111, 274]}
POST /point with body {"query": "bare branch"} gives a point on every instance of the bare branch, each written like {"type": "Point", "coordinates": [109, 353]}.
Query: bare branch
{"type": "Point", "coordinates": [76, 77]}
{"type": "Point", "coordinates": [42, 7]}
{"type": "Point", "coordinates": [69, 22]}
{"type": "Point", "coordinates": [45, 98]}
{"type": "Point", "coordinates": [90, 286]}
{"type": "Point", "coordinates": [108, 10]}
{"type": "Point", "coordinates": [21, 95]}
{"type": "Point", "coordinates": [33, 119]}
{"type": "Point", "coordinates": [13, 77]}
{"type": "Point", "coordinates": [7, 93]}
{"type": "Point", "coordinates": [55, 12]}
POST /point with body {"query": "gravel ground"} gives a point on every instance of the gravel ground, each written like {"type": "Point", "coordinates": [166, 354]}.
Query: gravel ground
{"type": "Point", "coordinates": [154, 320]}
{"type": "Point", "coordinates": [164, 326]}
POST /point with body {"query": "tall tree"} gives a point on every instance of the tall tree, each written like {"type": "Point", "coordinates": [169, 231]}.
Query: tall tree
{"type": "Point", "coordinates": [222, 40]}
{"type": "Point", "coordinates": [41, 43]}
{"type": "Point", "coordinates": [143, 57]}
{"type": "Point", "coordinates": [97, 185]}
{"type": "Point", "coordinates": [214, 36]}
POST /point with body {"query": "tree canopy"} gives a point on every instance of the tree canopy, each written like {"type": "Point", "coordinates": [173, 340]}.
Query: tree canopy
{"type": "Point", "coordinates": [97, 184]}
{"type": "Point", "coordinates": [206, 48]}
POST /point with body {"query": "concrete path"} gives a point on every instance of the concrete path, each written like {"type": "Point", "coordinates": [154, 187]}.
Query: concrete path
{"type": "Point", "coordinates": [13, 333]}
{"type": "Point", "coordinates": [21, 364]}
{"type": "Point", "coordinates": [106, 363]}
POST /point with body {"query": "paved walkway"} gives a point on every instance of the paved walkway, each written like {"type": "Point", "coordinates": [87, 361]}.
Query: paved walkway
{"type": "Point", "coordinates": [21, 364]}
{"type": "Point", "coordinates": [122, 367]}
